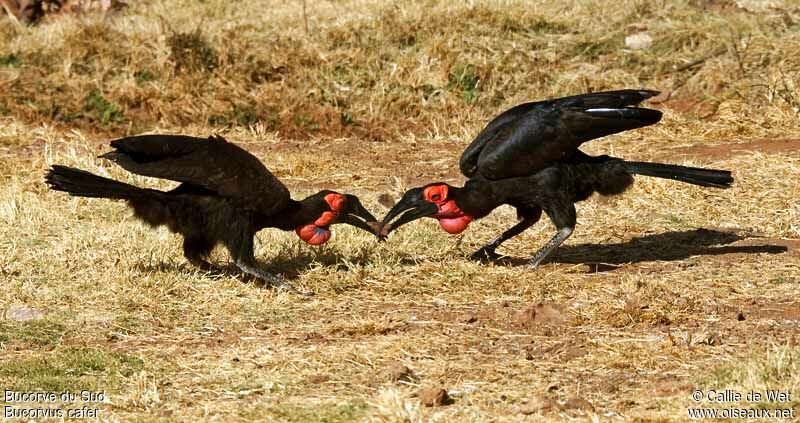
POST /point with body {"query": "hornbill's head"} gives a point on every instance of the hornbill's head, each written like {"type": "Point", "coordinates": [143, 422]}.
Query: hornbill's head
{"type": "Point", "coordinates": [437, 200]}
{"type": "Point", "coordinates": [330, 208]}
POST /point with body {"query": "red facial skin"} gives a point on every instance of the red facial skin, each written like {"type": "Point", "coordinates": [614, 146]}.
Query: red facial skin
{"type": "Point", "coordinates": [317, 233]}
{"type": "Point", "coordinates": [450, 217]}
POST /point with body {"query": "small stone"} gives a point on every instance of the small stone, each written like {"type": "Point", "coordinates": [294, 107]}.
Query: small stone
{"type": "Point", "coordinates": [577, 406]}
{"type": "Point", "coordinates": [433, 397]}
{"type": "Point", "coordinates": [639, 41]}
{"type": "Point", "coordinates": [470, 319]}
{"type": "Point", "coordinates": [318, 379]}
{"type": "Point", "coordinates": [714, 340]}
{"type": "Point", "coordinates": [398, 372]}
{"type": "Point", "coordinates": [539, 404]}
{"type": "Point", "coordinates": [542, 313]}
{"type": "Point", "coordinates": [633, 304]}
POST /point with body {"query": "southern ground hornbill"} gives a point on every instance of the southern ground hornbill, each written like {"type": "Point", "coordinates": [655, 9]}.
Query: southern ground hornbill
{"type": "Point", "coordinates": [528, 157]}
{"type": "Point", "coordinates": [226, 195]}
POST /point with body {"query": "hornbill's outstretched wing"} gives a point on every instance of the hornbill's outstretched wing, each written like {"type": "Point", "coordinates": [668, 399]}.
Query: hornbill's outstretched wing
{"type": "Point", "coordinates": [527, 138]}
{"type": "Point", "coordinates": [211, 163]}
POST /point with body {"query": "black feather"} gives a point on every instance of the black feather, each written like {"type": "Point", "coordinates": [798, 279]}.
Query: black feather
{"type": "Point", "coordinates": [692, 175]}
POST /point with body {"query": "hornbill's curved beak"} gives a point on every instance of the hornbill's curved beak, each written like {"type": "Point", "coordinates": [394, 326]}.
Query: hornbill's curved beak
{"type": "Point", "coordinates": [411, 207]}
{"type": "Point", "coordinates": [356, 215]}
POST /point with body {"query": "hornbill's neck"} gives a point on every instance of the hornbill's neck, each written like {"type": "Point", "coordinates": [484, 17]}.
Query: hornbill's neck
{"type": "Point", "coordinates": [476, 198]}
{"type": "Point", "coordinates": [295, 215]}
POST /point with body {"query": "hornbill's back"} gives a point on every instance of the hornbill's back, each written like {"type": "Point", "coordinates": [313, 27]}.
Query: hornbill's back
{"type": "Point", "coordinates": [212, 163]}
{"type": "Point", "coordinates": [527, 138]}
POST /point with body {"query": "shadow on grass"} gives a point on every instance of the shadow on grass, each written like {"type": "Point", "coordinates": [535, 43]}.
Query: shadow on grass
{"type": "Point", "coordinates": [289, 263]}
{"type": "Point", "coordinates": [667, 246]}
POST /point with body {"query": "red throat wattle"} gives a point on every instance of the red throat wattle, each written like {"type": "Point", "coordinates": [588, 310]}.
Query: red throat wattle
{"type": "Point", "coordinates": [317, 233]}
{"type": "Point", "coordinates": [450, 216]}
{"type": "Point", "coordinates": [313, 234]}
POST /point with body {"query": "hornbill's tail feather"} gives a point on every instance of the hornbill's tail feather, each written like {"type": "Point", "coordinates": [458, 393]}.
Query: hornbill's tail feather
{"type": "Point", "coordinates": [692, 175]}
{"type": "Point", "coordinates": [81, 183]}
{"type": "Point", "coordinates": [645, 116]}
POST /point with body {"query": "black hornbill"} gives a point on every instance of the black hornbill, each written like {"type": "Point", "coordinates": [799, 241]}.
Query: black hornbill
{"type": "Point", "coordinates": [226, 195]}
{"type": "Point", "coordinates": [528, 157]}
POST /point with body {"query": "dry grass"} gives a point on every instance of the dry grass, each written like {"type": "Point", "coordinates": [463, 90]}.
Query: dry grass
{"type": "Point", "coordinates": [374, 99]}
{"type": "Point", "coordinates": [379, 71]}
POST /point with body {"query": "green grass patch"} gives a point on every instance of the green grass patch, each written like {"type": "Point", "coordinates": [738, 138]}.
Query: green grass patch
{"type": "Point", "coordinates": [72, 369]}
{"type": "Point", "coordinates": [464, 79]}
{"type": "Point", "coordinates": [306, 123]}
{"type": "Point", "coordinates": [101, 109]}
{"type": "Point", "coordinates": [144, 76]}
{"type": "Point", "coordinates": [10, 60]}
{"type": "Point", "coordinates": [129, 325]}
{"type": "Point", "coordinates": [39, 333]}
{"type": "Point", "coordinates": [677, 220]}
{"type": "Point", "coordinates": [347, 119]}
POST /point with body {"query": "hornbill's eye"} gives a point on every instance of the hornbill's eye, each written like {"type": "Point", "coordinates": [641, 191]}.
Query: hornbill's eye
{"type": "Point", "coordinates": [435, 193]}
{"type": "Point", "coordinates": [335, 201]}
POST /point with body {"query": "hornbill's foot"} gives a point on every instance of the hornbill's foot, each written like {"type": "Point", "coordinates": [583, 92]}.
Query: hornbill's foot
{"type": "Point", "coordinates": [538, 257]}
{"type": "Point", "coordinates": [279, 282]}
{"type": "Point", "coordinates": [276, 281]}
{"type": "Point", "coordinates": [534, 263]}
{"type": "Point", "coordinates": [485, 254]}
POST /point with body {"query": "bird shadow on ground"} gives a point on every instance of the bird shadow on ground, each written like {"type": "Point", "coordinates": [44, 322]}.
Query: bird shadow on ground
{"type": "Point", "coordinates": [667, 246]}
{"type": "Point", "coordinates": [289, 263]}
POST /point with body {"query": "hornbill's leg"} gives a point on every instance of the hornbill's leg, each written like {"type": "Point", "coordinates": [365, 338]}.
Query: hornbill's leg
{"type": "Point", "coordinates": [563, 216]}
{"type": "Point", "coordinates": [529, 217]}
{"type": "Point", "coordinates": [195, 249]}
{"type": "Point", "coordinates": [243, 257]}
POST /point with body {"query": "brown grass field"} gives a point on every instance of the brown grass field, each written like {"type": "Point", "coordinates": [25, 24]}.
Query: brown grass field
{"type": "Point", "coordinates": [666, 289]}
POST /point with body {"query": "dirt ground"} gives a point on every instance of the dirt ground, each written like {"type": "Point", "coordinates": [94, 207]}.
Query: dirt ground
{"type": "Point", "coordinates": [661, 292]}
